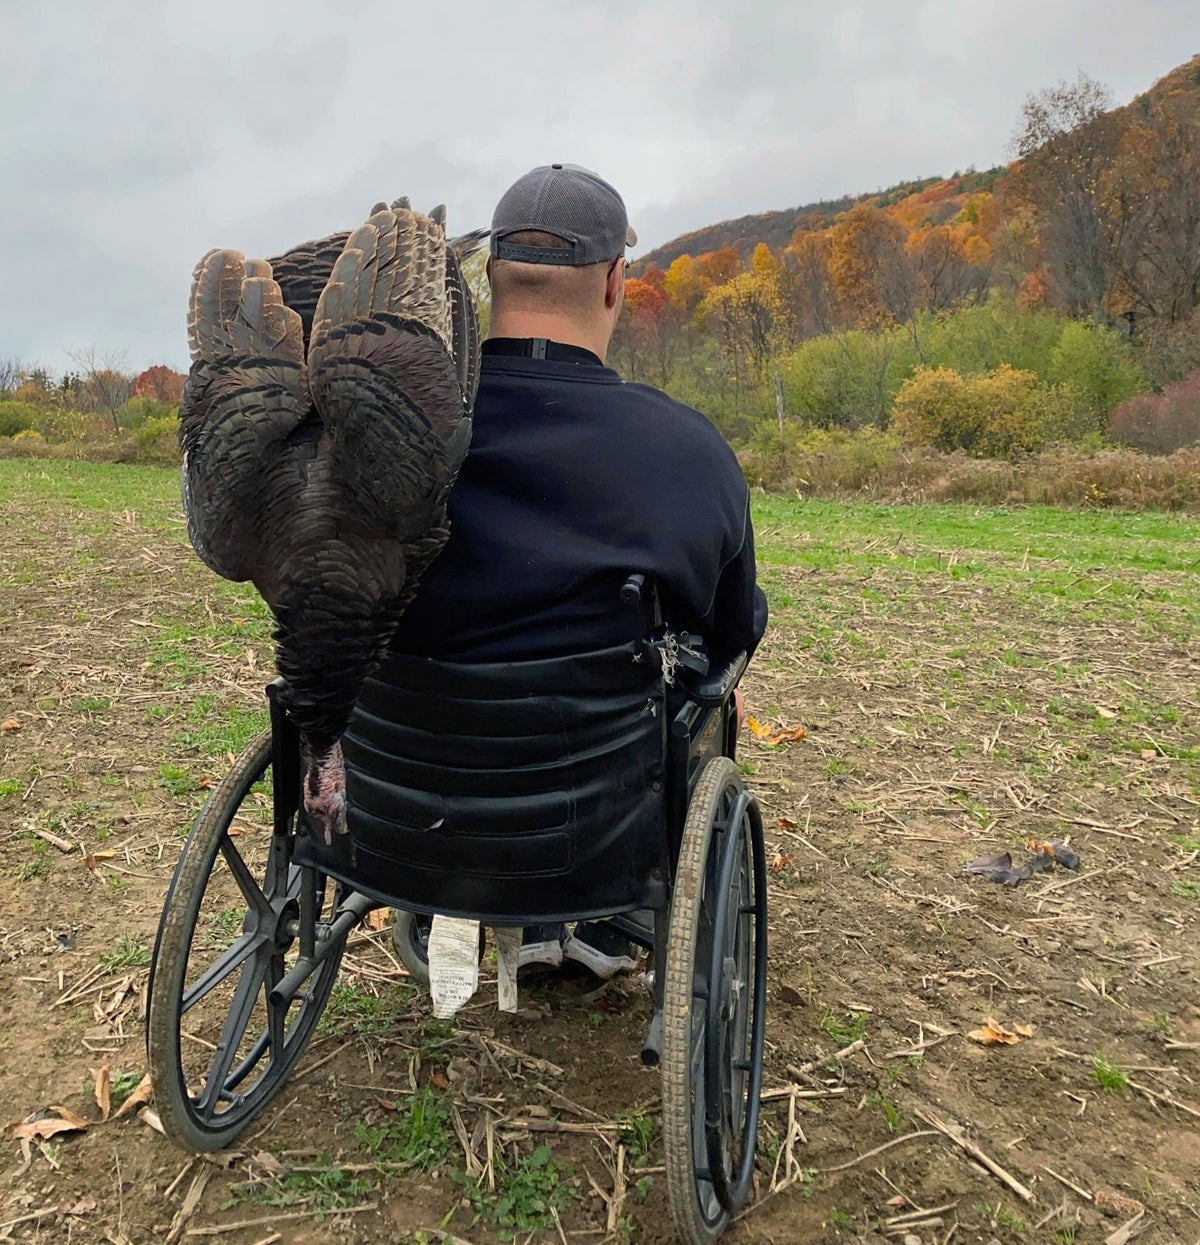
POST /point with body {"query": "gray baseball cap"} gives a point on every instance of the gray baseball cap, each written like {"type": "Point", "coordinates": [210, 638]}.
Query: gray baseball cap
{"type": "Point", "coordinates": [571, 202]}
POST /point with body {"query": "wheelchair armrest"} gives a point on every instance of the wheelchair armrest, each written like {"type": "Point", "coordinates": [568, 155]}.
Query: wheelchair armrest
{"type": "Point", "coordinates": [716, 688]}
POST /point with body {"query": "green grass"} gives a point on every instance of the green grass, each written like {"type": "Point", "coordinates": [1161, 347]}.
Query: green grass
{"type": "Point", "coordinates": [529, 1190]}
{"type": "Point", "coordinates": [844, 1027]}
{"type": "Point", "coordinates": [322, 1192]}
{"type": "Point", "coordinates": [352, 1009]}
{"type": "Point", "coordinates": [1189, 890]}
{"type": "Point", "coordinates": [127, 954]}
{"type": "Point", "coordinates": [419, 1135]}
{"type": "Point", "coordinates": [1107, 1074]}
{"type": "Point", "coordinates": [635, 1131]}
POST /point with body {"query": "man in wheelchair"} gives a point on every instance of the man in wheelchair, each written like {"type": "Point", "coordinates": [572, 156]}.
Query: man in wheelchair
{"type": "Point", "coordinates": [549, 741]}
{"type": "Point", "coordinates": [574, 480]}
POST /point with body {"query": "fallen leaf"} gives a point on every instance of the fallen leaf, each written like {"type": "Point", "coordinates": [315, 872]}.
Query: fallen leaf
{"type": "Point", "coordinates": [1105, 712]}
{"type": "Point", "coordinates": [782, 861]}
{"type": "Point", "coordinates": [769, 736]}
{"type": "Point", "coordinates": [207, 782]}
{"type": "Point", "coordinates": [48, 1126]}
{"type": "Point", "coordinates": [149, 1117]}
{"type": "Point", "coordinates": [1148, 754]}
{"type": "Point", "coordinates": [438, 1080]}
{"type": "Point", "coordinates": [992, 1033]}
{"type": "Point", "coordinates": [1025, 1030]}
{"type": "Point", "coordinates": [103, 1090]}
{"type": "Point", "coordinates": [93, 859]}
{"type": "Point", "coordinates": [378, 918]}
{"type": "Point", "coordinates": [786, 823]}
{"type": "Point", "coordinates": [10, 724]}
{"type": "Point", "coordinates": [270, 1164]}
{"type": "Point", "coordinates": [143, 1093]}
{"type": "Point", "coordinates": [84, 1206]}
{"type": "Point", "coordinates": [898, 1200]}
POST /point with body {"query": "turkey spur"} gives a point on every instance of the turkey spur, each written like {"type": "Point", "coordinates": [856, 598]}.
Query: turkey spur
{"type": "Point", "coordinates": [326, 414]}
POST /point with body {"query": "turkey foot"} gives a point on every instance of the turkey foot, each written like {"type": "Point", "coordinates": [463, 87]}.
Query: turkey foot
{"type": "Point", "coordinates": [325, 789]}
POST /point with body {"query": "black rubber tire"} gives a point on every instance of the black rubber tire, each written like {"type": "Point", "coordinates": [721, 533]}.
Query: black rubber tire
{"type": "Point", "coordinates": [410, 947]}
{"type": "Point", "coordinates": [698, 1215]}
{"type": "Point", "coordinates": [188, 1127]}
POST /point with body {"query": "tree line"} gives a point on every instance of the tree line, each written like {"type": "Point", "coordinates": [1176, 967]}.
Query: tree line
{"type": "Point", "coordinates": [1077, 268]}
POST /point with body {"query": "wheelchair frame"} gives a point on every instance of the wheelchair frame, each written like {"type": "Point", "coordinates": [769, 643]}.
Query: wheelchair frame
{"type": "Point", "coordinates": [708, 951]}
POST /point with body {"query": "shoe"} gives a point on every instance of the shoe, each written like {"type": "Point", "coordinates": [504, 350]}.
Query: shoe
{"type": "Point", "coordinates": [600, 948]}
{"type": "Point", "coordinates": [542, 944]}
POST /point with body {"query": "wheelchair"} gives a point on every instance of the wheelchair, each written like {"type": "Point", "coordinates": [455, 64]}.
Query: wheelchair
{"type": "Point", "coordinates": [598, 788]}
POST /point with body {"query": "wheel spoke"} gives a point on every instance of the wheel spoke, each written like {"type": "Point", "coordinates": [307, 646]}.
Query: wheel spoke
{"type": "Point", "coordinates": [230, 960]}
{"type": "Point", "coordinates": [246, 995]}
{"type": "Point", "coordinates": [251, 892]}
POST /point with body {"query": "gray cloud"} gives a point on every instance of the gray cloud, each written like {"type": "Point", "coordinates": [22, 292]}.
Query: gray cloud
{"type": "Point", "coordinates": [138, 136]}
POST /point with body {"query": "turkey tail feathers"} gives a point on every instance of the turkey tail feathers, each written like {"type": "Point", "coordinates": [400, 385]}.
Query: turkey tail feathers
{"type": "Point", "coordinates": [237, 308]}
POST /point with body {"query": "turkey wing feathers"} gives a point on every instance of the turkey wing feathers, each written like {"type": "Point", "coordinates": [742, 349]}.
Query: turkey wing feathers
{"type": "Point", "coordinates": [245, 404]}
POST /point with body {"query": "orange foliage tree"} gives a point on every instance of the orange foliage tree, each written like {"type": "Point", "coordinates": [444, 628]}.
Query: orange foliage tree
{"type": "Point", "coordinates": [160, 384]}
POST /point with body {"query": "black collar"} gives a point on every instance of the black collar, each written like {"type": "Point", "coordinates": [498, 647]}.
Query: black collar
{"type": "Point", "coordinates": [540, 348]}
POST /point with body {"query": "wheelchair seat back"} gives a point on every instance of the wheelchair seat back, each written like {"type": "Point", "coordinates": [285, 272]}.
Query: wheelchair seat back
{"type": "Point", "coordinates": [516, 792]}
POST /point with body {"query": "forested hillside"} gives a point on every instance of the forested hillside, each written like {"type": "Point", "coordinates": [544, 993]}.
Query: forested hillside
{"type": "Point", "coordinates": [989, 312]}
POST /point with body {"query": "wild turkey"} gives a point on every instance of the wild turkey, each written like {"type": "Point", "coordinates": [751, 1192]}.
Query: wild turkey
{"type": "Point", "coordinates": [325, 417]}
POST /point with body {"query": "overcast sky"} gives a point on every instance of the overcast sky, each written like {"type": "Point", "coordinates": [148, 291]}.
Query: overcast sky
{"type": "Point", "coordinates": [135, 136]}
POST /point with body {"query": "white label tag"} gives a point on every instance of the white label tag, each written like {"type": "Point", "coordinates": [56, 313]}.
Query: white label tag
{"type": "Point", "coordinates": [453, 963]}
{"type": "Point", "coordinates": [508, 955]}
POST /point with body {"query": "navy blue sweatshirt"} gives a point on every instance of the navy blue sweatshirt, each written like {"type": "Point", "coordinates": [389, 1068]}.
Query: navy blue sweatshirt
{"type": "Point", "coordinates": [573, 481]}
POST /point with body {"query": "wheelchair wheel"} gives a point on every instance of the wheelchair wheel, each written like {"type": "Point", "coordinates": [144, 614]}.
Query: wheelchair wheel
{"type": "Point", "coordinates": [410, 936]}
{"type": "Point", "coordinates": [224, 1027]}
{"type": "Point", "coordinates": [714, 1006]}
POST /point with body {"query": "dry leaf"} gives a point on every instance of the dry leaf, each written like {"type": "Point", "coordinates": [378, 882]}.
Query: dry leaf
{"type": "Point", "coordinates": [68, 1122]}
{"type": "Point", "coordinates": [993, 1033]}
{"type": "Point", "coordinates": [149, 1117]}
{"type": "Point", "coordinates": [1148, 754]}
{"type": "Point", "coordinates": [143, 1093]}
{"type": "Point", "coordinates": [207, 782]}
{"type": "Point", "coordinates": [1025, 1030]}
{"type": "Point", "coordinates": [782, 861]}
{"type": "Point", "coordinates": [103, 1090]}
{"type": "Point", "coordinates": [92, 859]}
{"type": "Point", "coordinates": [786, 823]}
{"type": "Point", "coordinates": [378, 918]}
{"type": "Point", "coordinates": [438, 1081]}
{"type": "Point", "coordinates": [769, 736]}
{"type": "Point", "coordinates": [84, 1206]}
{"type": "Point", "coordinates": [1105, 712]}
{"type": "Point", "coordinates": [10, 724]}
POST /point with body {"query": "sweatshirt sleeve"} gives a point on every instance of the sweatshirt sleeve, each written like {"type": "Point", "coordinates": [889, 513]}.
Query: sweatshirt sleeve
{"type": "Point", "coordinates": [738, 616]}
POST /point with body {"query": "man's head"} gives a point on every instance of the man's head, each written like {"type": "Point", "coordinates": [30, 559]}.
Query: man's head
{"type": "Point", "coordinates": [557, 256]}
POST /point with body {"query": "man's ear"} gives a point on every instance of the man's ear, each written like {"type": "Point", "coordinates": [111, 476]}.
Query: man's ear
{"type": "Point", "coordinates": [614, 287]}
{"type": "Point", "coordinates": [487, 268]}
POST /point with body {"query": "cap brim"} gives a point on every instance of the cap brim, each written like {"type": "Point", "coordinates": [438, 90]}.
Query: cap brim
{"type": "Point", "coordinates": [630, 236]}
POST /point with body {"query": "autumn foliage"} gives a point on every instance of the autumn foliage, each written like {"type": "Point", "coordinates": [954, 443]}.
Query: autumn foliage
{"type": "Point", "coordinates": [984, 313]}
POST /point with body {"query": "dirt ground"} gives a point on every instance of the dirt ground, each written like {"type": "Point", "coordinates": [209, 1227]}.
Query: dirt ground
{"type": "Point", "coordinates": [925, 748]}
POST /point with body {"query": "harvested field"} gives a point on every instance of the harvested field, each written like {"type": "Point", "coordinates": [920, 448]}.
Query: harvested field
{"type": "Point", "coordinates": [970, 681]}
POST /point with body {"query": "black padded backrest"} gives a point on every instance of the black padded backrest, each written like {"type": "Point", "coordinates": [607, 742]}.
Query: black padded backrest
{"type": "Point", "coordinates": [517, 792]}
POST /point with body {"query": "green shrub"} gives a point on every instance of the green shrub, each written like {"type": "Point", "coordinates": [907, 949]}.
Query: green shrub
{"type": "Point", "coordinates": [29, 436]}
{"type": "Point", "coordinates": [1097, 364]}
{"type": "Point", "coordinates": [139, 411]}
{"type": "Point", "coordinates": [61, 424]}
{"type": "Point", "coordinates": [157, 441]}
{"type": "Point", "coordinates": [16, 417]}
{"type": "Point", "coordinates": [1002, 412]}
